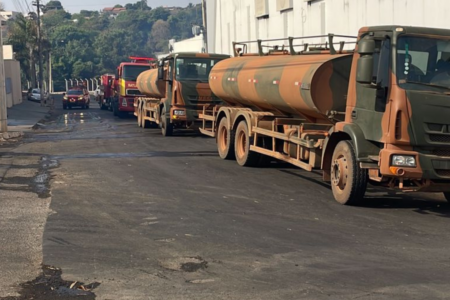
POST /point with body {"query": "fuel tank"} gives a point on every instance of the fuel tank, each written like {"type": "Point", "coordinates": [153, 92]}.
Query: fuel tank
{"type": "Point", "coordinates": [302, 86]}
{"type": "Point", "coordinates": [149, 85]}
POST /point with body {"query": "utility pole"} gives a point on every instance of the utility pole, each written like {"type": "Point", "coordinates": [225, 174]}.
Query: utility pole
{"type": "Point", "coordinates": [205, 31]}
{"type": "Point", "coordinates": [3, 113]}
{"type": "Point", "coordinates": [39, 37]}
{"type": "Point", "coordinates": [50, 78]}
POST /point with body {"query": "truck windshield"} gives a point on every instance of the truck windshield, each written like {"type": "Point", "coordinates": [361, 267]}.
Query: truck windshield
{"type": "Point", "coordinates": [195, 69]}
{"type": "Point", "coordinates": [423, 63]}
{"type": "Point", "coordinates": [132, 72]}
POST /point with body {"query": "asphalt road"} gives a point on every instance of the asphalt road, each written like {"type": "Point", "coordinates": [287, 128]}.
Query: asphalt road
{"type": "Point", "coordinates": [114, 211]}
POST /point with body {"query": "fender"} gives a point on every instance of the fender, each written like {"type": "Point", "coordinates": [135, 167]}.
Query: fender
{"type": "Point", "coordinates": [248, 118]}
{"type": "Point", "coordinates": [363, 147]}
{"type": "Point", "coordinates": [223, 112]}
{"type": "Point", "coordinates": [350, 131]}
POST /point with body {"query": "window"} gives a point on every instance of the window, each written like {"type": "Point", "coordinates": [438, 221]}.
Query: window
{"type": "Point", "coordinates": [284, 5]}
{"type": "Point", "coordinates": [423, 62]}
{"type": "Point", "coordinates": [131, 72]}
{"type": "Point", "coordinates": [75, 92]}
{"type": "Point", "coordinates": [194, 68]}
{"type": "Point", "coordinates": [261, 8]}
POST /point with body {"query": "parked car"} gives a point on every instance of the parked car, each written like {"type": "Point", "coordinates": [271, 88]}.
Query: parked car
{"type": "Point", "coordinates": [76, 97]}
{"type": "Point", "coordinates": [34, 95]}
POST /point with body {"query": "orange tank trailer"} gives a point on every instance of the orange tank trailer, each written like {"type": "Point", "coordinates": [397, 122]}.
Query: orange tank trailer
{"type": "Point", "coordinates": [362, 115]}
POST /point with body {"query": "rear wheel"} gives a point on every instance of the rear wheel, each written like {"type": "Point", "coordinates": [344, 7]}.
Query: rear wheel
{"type": "Point", "coordinates": [242, 142]}
{"type": "Point", "coordinates": [166, 126]}
{"type": "Point", "coordinates": [225, 140]}
{"type": "Point", "coordinates": [348, 180]}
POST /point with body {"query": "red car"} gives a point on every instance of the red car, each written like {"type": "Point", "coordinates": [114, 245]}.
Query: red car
{"type": "Point", "coordinates": [76, 97]}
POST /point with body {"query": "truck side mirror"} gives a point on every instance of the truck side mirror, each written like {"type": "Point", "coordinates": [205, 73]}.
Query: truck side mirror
{"type": "Point", "coordinates": [116, 76]}
{"type": "Point", "coordinates": [364, 70]}
{"type": "Point", "coordinates": [161, 73]}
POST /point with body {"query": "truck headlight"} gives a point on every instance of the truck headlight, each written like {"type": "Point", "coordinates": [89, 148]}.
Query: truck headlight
{"type": "Point", "coordinates": [403, 161]}
{"type": "Point", "coordinates": [65, 98]}
{"type": "Point", "coordinates": [178, 112]}
{"type": "Point", "coordinates": [80, 98]}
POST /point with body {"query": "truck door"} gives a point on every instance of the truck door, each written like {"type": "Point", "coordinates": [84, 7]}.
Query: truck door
{"type": "Point", "coordinates": [371, 99]}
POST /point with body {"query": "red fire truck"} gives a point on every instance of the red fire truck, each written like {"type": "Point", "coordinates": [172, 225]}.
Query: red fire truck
{"type": "Point", "coordinates": [124, 88]}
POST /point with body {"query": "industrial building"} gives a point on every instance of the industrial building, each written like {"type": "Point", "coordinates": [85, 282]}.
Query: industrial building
{"type": "Point", "coordinates": [243, 20]}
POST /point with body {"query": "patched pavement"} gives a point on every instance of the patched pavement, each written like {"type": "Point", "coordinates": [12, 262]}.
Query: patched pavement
{"type": "Point", "coordinates": [93, 205]}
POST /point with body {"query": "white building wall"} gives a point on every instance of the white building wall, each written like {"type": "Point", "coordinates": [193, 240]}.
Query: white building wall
{"type": "Point", "coordinates": [235, 20]}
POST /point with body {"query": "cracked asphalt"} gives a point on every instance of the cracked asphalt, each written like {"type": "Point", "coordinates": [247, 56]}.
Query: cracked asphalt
{"type": "Point", "coordinates": [94, 207]}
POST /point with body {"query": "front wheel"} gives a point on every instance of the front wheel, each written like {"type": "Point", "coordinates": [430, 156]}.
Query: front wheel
{"type": "Point", "coordinates": [447, 196]}
{"type": "Point", "coordinates": [166, 126]}
{"type": "Point", "coordinates": [115, 110]}
{"type": "Point", "coordinates": [348, 180]}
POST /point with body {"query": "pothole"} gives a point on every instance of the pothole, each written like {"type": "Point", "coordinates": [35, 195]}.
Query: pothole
{"type": "Point", "coordinates": [185, 264]}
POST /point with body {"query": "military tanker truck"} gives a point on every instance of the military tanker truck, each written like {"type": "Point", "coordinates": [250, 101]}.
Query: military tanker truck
{"type": "Point", "coordinates": [379, 113]}
{"type": "Point", "coordinates": [176, 91]}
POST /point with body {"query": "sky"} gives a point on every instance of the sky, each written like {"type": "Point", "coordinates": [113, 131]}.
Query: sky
{"type": "Point", "coordinates": [74, 6]}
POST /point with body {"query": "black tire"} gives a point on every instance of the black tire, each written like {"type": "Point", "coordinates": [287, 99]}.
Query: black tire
{"type": "Point", "coordinates": [447, 196]}
{"type": "Point", "coordinates": [115, 110]}
{"type": "Point", "coordinates": [139, 116]}
{"type": "Point", "coordinates": [348, 180]}
{"type": "Point", "coordinates": [64, 106]}
{"type": "Point", "coordinates": [225, 140]}
{"type": "Point", "coordinates": [87, 106]}
{"type": "Point", "coordinates": [266, 143]}
{"type": "Point", "coordinates": [166, 126]}
{"type": "Point", "coordinates": [242, 142]}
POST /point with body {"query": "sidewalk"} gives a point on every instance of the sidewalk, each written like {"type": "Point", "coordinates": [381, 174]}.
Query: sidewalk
{"type": "Point", "coordinates": [24, 116]}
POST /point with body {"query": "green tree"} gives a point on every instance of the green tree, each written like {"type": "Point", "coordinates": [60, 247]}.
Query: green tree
{"type": "Point", "coordinates": [22, 36]}
{"type": "Point", "coordinates": [160, 36]}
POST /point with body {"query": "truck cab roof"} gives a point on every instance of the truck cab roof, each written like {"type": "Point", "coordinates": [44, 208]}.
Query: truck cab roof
{"type": "Point", "coordinates": [195, 54]}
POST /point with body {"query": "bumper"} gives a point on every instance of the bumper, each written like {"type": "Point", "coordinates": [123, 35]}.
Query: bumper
{"type": "Point", "coordinates": [431, 174]}
{"type": "Point", "coordinates": [188, 115]}
{"type": "Point", "coordinates": [129, 107]}
{"type": "Point", "coordinates": [74, 102]}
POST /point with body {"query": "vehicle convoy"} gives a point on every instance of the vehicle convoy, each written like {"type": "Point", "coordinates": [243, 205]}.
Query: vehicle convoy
{"type": "Point", "coordinates": [176, 91]}
{"type": "Point", "coordinates": [123, 86]}
{"type": "Point", "coordinates": [77, 96]}
{"type": "Point", "coordinates": [380, 113]}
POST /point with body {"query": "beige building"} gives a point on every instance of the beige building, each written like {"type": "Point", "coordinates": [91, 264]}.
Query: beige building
{"type": "Point", "coordinates": [13, 84]}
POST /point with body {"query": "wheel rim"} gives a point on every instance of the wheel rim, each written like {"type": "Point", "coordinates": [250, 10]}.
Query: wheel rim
{"type": "Point", "coordinates": [339, 172]}
{"type": "Point", "coordinates": [223, 137]}
{"type": "Point", "coordinates": [241, 144]}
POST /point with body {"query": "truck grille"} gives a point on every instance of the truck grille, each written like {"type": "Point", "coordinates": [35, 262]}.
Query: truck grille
{"type": "Point", "coordinates": [438, 138]}
{"type": "Point", "coordinates": [441, 152]}
{"type": "Point", "coordinates": [443, 173]}
{"type": "Point", "coordinates": [133, 92]}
